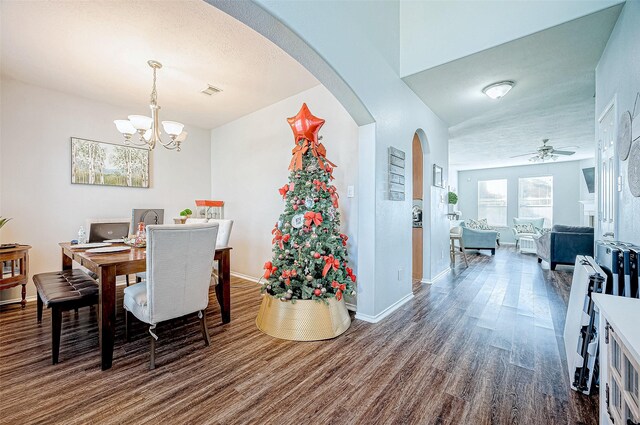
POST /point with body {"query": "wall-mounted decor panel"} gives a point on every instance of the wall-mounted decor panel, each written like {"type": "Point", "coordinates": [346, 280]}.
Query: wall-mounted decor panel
{"type": "Point", "coordinates": [106, 164]}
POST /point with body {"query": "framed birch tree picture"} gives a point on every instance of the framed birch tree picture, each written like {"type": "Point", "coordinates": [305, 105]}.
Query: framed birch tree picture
{"type": "Point", "coordinates": [106, 164]}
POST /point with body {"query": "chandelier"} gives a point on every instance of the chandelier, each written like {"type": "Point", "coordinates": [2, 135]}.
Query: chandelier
{"type": "Point", "coordinates": [148, 128]}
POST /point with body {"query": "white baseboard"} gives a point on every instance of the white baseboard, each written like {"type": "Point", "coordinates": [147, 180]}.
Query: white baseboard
{"type": "Point", "coordinates": [246, 277]}
{"type": "Point", "coordinates": [17, 300]}
{"type": "Point", "coordinates": [437, 277]}
{"type": "Point", "coordinates": [387, 311]}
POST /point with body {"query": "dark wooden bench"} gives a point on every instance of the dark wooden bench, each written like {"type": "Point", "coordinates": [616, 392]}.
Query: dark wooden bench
{"type": "Point", "coordinates": [63, 291]}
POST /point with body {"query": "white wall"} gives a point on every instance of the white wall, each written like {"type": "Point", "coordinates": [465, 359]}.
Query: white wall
{"type": "Point", "coordinates": [567, 178]}
{"type": "Point", "coordinates": [35, 183]}
{"type": "Point", "coordinates": [364, 65]}
{"type": "Point", "coordinates": [618, 74]}
{"type": "Point", "coordinates": [249, 163]}
{"type": "Point", "coordinates": [435, 32]}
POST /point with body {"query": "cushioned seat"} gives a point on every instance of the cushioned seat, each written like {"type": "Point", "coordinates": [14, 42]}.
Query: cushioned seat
{"type": "Point", "coordinates": [135, 299]}
{"type": "Point", "coordinates": [61, 291]}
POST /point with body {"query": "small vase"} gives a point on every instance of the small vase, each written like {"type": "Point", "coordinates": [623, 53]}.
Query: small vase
{"type": "Point", "coordinates": [451, 206]}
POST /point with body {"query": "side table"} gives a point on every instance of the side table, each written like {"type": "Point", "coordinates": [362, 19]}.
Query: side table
{"type": "Point", "coordinates": [15, 269]}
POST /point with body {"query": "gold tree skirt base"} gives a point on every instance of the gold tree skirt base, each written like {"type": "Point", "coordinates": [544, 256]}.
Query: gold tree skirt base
{"type": "Point", "coordinates": [306, 320]}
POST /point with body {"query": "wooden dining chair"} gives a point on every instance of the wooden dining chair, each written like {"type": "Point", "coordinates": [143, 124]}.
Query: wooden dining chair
{"type": "Point", "coordinates": [179, 264]}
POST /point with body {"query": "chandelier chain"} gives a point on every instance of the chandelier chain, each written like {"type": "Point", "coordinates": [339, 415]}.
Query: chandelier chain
{"type": "Point", "coordinates": [154, 93]}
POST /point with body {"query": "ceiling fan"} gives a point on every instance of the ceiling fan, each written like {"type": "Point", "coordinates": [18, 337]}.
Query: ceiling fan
{"type": "Point", "coordinates": [547, 152]}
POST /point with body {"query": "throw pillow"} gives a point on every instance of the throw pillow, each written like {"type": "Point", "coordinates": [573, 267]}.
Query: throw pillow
{"type": "Point", "coordinates": [483, 224]}
{"type": "Point", "coordinates": [472, 224]}
{"type": "Point", "coordinates": [524, 228]}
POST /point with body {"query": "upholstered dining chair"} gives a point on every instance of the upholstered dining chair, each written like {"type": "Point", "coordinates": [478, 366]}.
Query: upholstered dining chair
{"type": "Point", "coordinates": [179, 264]}
{"type": "Point", "coordinates": [224, 233]}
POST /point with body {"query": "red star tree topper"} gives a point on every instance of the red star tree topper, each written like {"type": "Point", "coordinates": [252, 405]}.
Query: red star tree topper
{"type": "Point", "coordinates": [309, 252]}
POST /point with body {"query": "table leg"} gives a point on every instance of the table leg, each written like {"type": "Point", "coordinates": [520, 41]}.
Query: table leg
{"type": "Point", "coordinates": [223, 288]}
{"type": "Point", "coordinates": [24, 271]}
{"type": "Point", "coordinates": [67, 262]}
{"type": "Point", "coordinates": [107, 314]}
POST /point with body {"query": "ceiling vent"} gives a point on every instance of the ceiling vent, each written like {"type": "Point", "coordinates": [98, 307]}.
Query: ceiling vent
{"type": "Point", "coordinates": [210, 90]}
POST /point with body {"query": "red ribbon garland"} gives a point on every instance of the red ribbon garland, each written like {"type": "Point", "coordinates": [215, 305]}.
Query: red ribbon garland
{"type": "Point", "coordinates": [312, 217]}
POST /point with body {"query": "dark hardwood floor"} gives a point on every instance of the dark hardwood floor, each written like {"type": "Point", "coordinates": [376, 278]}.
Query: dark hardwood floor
{"type": "Point", "coordinates": [482, 346]}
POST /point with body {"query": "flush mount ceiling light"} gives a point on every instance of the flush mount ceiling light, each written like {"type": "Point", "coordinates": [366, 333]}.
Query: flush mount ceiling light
{"type": "Point", "coordinates": [149, 127]}
{"type": "Point", "coordinates": [498, 90]}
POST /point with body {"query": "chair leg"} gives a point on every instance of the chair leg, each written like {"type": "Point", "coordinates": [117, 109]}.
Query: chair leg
{"type": "Point", "coordinates": [40, 306]}
{"type": "Point", "coordinates": [493, 251]}
{"type": "Point", "coordinates": [56, 329]}
{"type": "Point", "coordinates": [126, 279]}
{"type": "Point", "coordinates": [552, 266]}
{"type": "Point", "coordinates": [205, 331]}
{"type": "Point", "coordinates": [152, 361]}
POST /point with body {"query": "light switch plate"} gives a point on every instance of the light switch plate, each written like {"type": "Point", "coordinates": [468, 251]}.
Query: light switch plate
{"type": "Point", "coordinates": [351, 191]}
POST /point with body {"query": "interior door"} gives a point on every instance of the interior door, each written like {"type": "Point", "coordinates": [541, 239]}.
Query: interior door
{"type": "Point", "coordinates": [607, 174]}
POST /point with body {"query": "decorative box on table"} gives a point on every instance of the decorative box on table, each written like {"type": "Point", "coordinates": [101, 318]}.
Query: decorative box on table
{"type": "Point", "coordinates": [209, 209]}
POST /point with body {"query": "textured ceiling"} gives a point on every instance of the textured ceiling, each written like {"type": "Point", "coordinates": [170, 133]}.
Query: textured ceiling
{"type": "Point", "coordinates": [99, 50]}
{"type": "Point", "coordinates": [553, 96]}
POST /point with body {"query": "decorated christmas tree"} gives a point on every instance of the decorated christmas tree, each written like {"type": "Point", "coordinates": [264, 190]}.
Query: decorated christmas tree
{"type": "Point", "coordinates": [309, 252]}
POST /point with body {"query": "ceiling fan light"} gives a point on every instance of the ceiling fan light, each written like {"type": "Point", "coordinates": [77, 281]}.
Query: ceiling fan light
{"type": "Point", "coordinates": [124, 126]}
{"type": "Point", "coordinates": [172, 128]}
{"type": "Point", "coordinates": [498, 90]}
{"type": "Point", "coordinates": [140, 122]}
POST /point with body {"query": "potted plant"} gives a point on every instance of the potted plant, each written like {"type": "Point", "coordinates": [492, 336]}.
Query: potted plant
{"type": "Point", "coordinates": [453, 199]}
{"type": "Point", "coordinates": [184, 215]}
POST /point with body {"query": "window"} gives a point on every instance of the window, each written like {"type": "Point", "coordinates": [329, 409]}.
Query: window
{"type": "Point", "coordinates": [492, 201]}
{"type": "Point", "coordinates": [535, 198]}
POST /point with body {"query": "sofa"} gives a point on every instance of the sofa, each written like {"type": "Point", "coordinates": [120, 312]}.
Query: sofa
{"type": "Point", "coordinates": [479, 238]}
{"type": "Point", "coordinates": [563, 243]}
{"type": "Point", "coordinates": [520, 231]}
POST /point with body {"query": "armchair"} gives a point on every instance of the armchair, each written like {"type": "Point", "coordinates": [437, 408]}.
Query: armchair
{"type": "Point", "coordinates": [179, 264]}
{"type": "Point", "coordinates": [479, 239]}
{"type": "Point", "coordinates": [563, 243]}
{"type": "Point", "coordinates": [536, 223]}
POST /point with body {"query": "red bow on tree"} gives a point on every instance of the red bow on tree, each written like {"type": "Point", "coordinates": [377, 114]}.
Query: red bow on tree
{"type": "Point", "coordinates": [287, 274]}
{"type": "Point", "coordinates": [312, 217]}
{"type": "Point", "coordinates": [338, 295]}
{"type": "Point", "coordinates": [350, 274]}
{"type": "Point", "coordinates": [319, 185]}
{"type": "Point", "coordinates": [330, 262]}
{"type": "Point", "coordinates": [283, 190]}
{"type": "Point", "coordinates": [269, 269]}
{"type": "Point", "coordinates": [280, 238]}
{"type": "Point", "coordinates": [334, 196]}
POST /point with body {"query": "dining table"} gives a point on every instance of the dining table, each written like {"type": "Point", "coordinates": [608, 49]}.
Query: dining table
{"type": "Point", "coordinates": [110, 265]}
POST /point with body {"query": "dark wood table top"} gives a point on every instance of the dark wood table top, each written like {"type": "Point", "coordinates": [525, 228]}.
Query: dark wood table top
{"type": "Point", "coordinates": [98, 259]}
